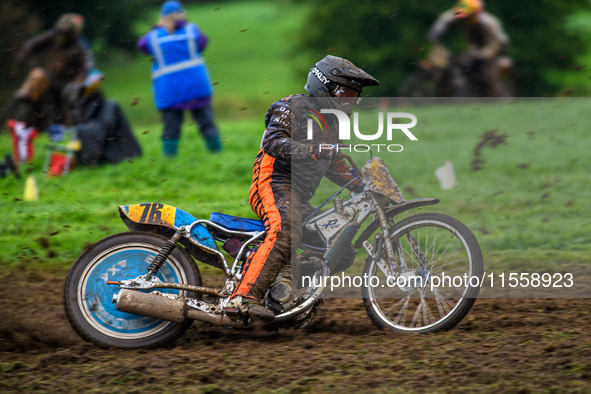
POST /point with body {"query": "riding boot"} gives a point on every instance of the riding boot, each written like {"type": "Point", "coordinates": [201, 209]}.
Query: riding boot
{"type": "Point", "coordinates": [257, 310]}
{"type": "Point", "coordinates": [242, 306]}
{"type": "Point", "coordinates": [281, 291]}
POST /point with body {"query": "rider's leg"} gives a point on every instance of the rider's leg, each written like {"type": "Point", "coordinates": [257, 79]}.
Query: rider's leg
{"type": "Point", "coordinates": [273, 205]}
{"type": "Point", "coordinates": [287, 282]}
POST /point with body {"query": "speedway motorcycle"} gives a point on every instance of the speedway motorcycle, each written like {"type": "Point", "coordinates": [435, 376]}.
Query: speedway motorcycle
{"type": "Point", "coordinates": [143, 288]}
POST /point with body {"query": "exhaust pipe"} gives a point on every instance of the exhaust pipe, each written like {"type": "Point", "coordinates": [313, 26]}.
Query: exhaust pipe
{"type": "Point", "coordinates": [158, 306]}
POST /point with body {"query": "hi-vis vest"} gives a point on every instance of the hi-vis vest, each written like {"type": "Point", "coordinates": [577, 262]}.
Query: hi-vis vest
{"type": "Point", "coordinates": [178, 72]}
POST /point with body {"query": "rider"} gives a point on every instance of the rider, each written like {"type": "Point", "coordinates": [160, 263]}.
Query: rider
{"type": "Point", "coordinates": [278, 194]}
{"type": "Point", "coordinates": [486, 39]}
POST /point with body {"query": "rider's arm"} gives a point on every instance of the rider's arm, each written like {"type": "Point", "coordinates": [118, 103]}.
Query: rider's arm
{"type": "Point", "coordinates": [440, 27]}
{"type": "Point", "coordinates": [277, 140]}
{"type": "Point", "coordinates": [37, 44]}
{"type": "Point", "coordinates": [496, 40]}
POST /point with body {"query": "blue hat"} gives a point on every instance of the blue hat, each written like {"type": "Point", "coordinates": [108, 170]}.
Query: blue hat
{"type": "Point", "coordinates": [93, 77]}
{"type": "Point", "coordinates": [171, 6]}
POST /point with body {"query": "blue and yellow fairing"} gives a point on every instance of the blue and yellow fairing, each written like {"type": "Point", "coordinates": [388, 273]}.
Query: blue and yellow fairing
{"type": "Point", "coordinates": [156, 214]}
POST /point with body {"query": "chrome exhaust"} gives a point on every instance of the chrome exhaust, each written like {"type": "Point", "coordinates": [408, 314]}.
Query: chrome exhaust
{"type": "Point", "coordinates": [161, 307]}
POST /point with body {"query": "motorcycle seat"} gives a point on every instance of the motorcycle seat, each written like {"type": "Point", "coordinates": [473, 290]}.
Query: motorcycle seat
{"type": "Point", "coordinates": [236, 223]}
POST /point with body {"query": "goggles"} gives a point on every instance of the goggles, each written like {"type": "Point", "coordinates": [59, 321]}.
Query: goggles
{"type": "Point", "coordinates": [344, 91]}
{"type": "Point", "coordinates": [462, 12]}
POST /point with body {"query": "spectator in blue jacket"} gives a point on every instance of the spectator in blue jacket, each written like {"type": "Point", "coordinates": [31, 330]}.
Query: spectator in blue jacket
{"type": "Point", "coordinates": [179, 77]}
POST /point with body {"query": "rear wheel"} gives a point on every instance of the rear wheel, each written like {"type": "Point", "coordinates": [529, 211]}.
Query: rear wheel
{"type": "Point", "coordinates": [88, 299]}
{"type": "Point", "coordinates": [434, 281]}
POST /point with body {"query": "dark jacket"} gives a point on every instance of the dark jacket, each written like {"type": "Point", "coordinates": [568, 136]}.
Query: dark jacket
{"type": "Point", "coordinates": [64, 61]}
{"type": "Point", "coordinates": [286, 140]}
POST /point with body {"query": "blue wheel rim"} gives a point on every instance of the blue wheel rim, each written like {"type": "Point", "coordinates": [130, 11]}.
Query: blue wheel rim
{"type": "Point", "coordinates": [95, 296]}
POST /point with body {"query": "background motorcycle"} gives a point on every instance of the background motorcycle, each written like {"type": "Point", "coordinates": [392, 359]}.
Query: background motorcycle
{"type": "Point", "coordinates": [442, 74]}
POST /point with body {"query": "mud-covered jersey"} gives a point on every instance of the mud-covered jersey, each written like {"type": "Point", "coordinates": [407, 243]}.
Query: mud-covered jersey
{"type": "Point", "coordinates": [287, 148]}
{"type": "Point", "coordinates": [484, 33]}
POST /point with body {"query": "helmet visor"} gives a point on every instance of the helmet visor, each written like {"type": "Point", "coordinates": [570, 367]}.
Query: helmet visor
{"type": "Point", "coordinates": [345, 91]}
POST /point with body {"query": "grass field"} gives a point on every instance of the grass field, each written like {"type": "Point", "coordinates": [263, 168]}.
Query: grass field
{"type": "Point", "coordinates": [528, 205]}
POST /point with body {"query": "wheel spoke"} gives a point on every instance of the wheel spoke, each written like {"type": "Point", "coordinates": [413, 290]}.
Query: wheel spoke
{"type": "Point", "coordinates": [403, 303]}
{"type": "Point", "coordinates": [428, 317]}
{"type": "Point", "coordinates": [447, 258]}
{"type": "Point", "coordinates": [416, 317]}
{"type": "Point", "coordinates": [402, 313]}
{"type": "Point", "coordinates": [443, 306]}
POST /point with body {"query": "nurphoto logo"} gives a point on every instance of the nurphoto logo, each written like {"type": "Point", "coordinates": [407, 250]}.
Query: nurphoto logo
{"type": "Point", "coordinates": [391, 119]}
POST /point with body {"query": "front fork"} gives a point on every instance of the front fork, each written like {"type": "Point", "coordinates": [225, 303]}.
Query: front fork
{"type": "Point", "coordinates": [394, 249]}
{"type": "Point", "coordinates": [394, 252]}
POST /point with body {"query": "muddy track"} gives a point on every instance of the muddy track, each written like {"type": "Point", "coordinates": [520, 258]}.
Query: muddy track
{"type": "Point", "coordinates": [502, 346]}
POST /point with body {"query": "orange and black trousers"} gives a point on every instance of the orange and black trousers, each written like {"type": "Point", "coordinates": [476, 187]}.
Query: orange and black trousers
{"type": "Point", "coordinates": [281, 211]}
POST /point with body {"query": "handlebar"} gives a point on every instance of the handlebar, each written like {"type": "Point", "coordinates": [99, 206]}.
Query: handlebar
{"type": "Point", "coordinates": [350, 160]}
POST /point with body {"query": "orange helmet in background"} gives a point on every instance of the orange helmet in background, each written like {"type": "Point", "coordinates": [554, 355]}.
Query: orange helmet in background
{"type": "Point", "coordinates": [70, 24]}
{"type": "Point", "coordinates": [466, 8]}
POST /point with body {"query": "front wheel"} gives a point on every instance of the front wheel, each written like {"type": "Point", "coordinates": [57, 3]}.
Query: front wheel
{"type": "Point", "coordinates": [434, 281]}
{"type": "Point", "coordinates": [88, 299]}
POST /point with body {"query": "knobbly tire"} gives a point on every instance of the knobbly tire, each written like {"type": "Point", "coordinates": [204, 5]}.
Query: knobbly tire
{"type": "Point", "coordinates": [88, 299]}
{"type": "Point", "coordinates": [432, 246]}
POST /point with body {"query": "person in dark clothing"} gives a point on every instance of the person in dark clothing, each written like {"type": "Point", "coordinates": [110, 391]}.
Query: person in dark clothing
{"type": "Point", "coordinates": [486, 40]}
{"type": "Point", "coordinates": [104, 131]}
{"type": "Point", "coordinates": [179, 77]}
{"type": "Point", "coordinates": [288, 170]}
{"type": "Point", "coordinates": [57, 60]}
